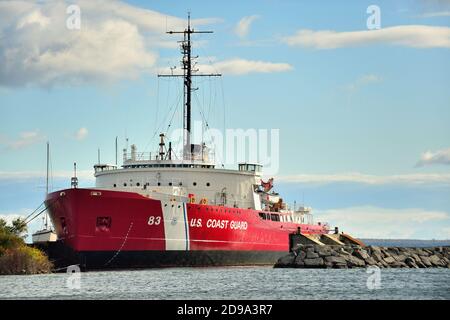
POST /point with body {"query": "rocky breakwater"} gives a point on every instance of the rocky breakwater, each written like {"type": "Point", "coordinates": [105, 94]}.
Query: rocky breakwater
{"type": "Point", "coordinates": [355, 256]}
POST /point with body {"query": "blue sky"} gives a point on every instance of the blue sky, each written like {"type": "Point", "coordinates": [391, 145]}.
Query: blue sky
{"type": "Point", "coordinates": [363, 114]}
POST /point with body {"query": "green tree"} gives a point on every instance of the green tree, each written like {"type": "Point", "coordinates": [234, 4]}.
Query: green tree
{"type": "Point", "coordinates": [19, 227]}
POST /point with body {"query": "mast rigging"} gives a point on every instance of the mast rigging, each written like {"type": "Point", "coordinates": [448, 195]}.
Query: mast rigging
{"type": "Point", "coordinates": [187, 75]}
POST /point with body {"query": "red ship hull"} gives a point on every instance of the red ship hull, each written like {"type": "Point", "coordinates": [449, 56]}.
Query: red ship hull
{"type": "Point", "coordinates": [115, 229]}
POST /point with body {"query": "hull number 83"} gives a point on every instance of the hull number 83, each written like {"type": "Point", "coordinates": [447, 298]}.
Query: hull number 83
{"type": "Point", "coordinates": [152, 220]}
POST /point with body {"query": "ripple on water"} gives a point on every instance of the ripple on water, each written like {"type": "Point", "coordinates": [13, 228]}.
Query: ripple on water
{"type": "Point", "coordinates": [232, 283]}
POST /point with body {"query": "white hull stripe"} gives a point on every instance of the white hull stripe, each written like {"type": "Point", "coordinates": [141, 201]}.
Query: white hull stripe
{"type": "Point", "coordinates": [186, 226]}
{"type": "Point", "coordinates": [175, 225]}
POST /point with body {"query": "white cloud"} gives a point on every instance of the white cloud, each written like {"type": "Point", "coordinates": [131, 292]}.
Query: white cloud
{"type": "Point", "coordinates": [426, 178]}
{"type": "Point", "coordinates": [243, 26]}
{"type": "Point", "coordinates": [26, 175]}
{"type": "Point", "coordinates": [26, 138]}
{"type": "Point", "coordinates": [434, 14]}
{"type": "Point", "coordinates": [417, 36]}
{"type": "Point", "coordinates": [375, 222]}
{"type": "Point", "coordinates": [116, 40]}
{"type": "Point", "coordinates": [81, 134]}
{"type": "Point", "coordinates": [438, 157]}
{"type": "Point", "coordinates": [364, 80]}
{"type": "Point", "coordinates": [242, 66]}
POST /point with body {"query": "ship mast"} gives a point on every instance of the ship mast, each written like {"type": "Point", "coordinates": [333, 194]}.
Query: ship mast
{"type": "Point", "coordinates": [187, 88]}
{"type": "Point", "coordinates": [46, 183]}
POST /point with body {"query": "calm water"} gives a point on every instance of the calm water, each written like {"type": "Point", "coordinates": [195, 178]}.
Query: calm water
{"type": "Point", "coordinates": [233, 283]}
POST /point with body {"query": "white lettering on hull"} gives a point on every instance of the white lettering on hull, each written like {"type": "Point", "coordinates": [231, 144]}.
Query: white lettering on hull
{"type": "Point", "coordinates": [219, 224]}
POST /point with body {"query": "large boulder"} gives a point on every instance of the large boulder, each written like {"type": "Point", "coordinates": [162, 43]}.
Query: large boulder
{"type": "Point", "coordinates": [436, 261]}
{"type": "Point", "coordinates": [400, 258]}
{"type": "Point", "coordinates": [385, 253]}
{"type": "Point", "coordinates": [411, 263]}
{"type": "Point", "coordinates": [311, 255]}
{"type": "Point", "coordinates": [377, 256]}
{"type": "Point", "coordinates": [324, 251]}
{"type": "Point", "coordinates": [426, 261]}
{"type": "Point", "coordinates": [389, 260]}
{"type": "Point", "coordinates": [370, 261]}
{"type": "Point", "coordinates": [336, 260]}
{"type": "Point", "coordinates": [286, 261]}
{"type": "Point", "coordinates": [354, 262]}
{"type": "Point", "coordinates": [299, 263]}
{"type": "Point", "coordinates": [300, 255]}
{"type": "Point", "coordinates": [361, 254]}
{"type": "Point", "coordinates": [393, 251]}
{"type": "Point", "coordinates": [422, 253]}
{"type": "Point", "coordinates": [416, 258]}
{"type": "Point", "coordinates": [314, 263]}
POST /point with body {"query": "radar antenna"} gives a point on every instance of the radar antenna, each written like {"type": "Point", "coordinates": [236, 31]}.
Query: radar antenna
{"type": "Point", "coordinates": [186, 64]}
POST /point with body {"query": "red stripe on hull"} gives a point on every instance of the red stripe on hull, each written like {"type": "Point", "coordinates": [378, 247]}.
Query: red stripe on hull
{"type": "Point", "coordinates": [103, 220]}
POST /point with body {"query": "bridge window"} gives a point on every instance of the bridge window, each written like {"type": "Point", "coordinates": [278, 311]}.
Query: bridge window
{"type": "Point", "coordinates": [275, 217]}
{"type": "Point", "coordinates": [262, 215]}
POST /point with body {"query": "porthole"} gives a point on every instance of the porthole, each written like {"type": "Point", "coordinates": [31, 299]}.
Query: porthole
{"type": "Point", "coordinates": [208, 184]}
{"type": "Point", "coordinates": [115, 185]}
{"type": "Point", "coordinates": [195, 183]}
{"type": "Point", "coordinates": [180, 184]}
{"type": "Point", "coordinates": [159, 183]}
{"type": "Point", "coordinates": [124, 184]}
{"type": "Point", "coordinates": [138, 184]}
{"type": "Point", "coordinates": [170, 183]}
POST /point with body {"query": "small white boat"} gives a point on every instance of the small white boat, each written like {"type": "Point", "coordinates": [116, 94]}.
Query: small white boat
{"type": "Point", "coordinates": [44, 235]}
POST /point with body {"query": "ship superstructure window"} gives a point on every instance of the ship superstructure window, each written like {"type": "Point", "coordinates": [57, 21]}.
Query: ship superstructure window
{"type": "Point", "coordinates": [262, 215]}
{"type": "Point", "coordinates": [275, 217]}
{"type": "Point", "coordinates": [250, 167]}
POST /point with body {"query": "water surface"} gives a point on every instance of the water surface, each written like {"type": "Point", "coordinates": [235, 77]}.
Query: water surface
{"type": "Point", "coordinates": [232, 283]}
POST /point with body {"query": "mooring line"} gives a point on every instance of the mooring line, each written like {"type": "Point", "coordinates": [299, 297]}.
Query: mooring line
{"type": "Point", "coordinates": [120, 249]}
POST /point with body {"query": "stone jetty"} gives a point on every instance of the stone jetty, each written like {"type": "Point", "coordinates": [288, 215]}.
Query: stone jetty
{"type": "Point", "coordinates": [356, 256]}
